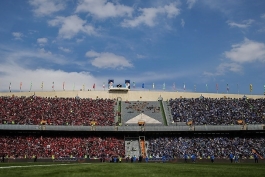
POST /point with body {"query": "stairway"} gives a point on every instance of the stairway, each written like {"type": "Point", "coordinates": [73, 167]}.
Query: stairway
{"type": "Point", "coordinates": [142, 146]}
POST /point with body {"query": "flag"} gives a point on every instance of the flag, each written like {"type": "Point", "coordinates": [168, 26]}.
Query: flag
{"type": "Point", "coordinates": [42, 85]}
{"type": "Point", "coordinates": [250, 87]}
{"type": "Point", "coordinates": [142, 85]}
{"type": "Point", "coordinates": [30, 86]}
{"type": "Point", "coordinates": [103, 85]}
{"type": "Point", "coordinates": [53, 85]}
{"type": "Point", "coordinates": [153, 85]}
{"type": "Point", "coordinates": [83, 87]}
{"type": "Point", "coordinates": [20, 85]}
{"type": "Point", "coordinates": [133, 84]}
{"type": "Point", "coordinates": [10, 87]}
{"type": "Point", "coordinates": [164, 86]}
{"type": "Point", "coordinates": [227, 88]}
{"type": "Point", "coordinates": [184, 86]}
{"type": "Point", "coordinates": [174, 86]}
{"type": "Point", "coordinates": [195, 88]}
{"type": "Point", "coordinates": [206, 87]}
{"type": "Point", "coordinates": [63, 85]}
{"type": "Point", "coordinates": [94, 86]}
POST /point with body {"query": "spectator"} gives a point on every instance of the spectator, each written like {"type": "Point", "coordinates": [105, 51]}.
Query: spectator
{"type": "Point", "coordinates": [46, 147]}
{"type": "Point", "coordinates": [56, 111]}
{"type": "Point", "coordinates": [213, 111]}
{"type": "Point", "coordinates": [203, 147]}
{"type": "Point", "coordinates": [256, 158]}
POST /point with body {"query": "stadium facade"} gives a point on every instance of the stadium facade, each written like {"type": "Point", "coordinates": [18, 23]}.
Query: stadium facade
{"type": "Point", "coordinates": [139, 115]}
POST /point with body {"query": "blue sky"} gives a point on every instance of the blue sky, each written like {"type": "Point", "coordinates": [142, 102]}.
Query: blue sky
{"type": "Point", "coordinates": [202, 43]}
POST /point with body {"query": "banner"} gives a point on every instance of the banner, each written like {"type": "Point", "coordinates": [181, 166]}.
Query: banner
{"type": "Point", "coordinates": [127, 84]}
{"type": "Point", "coordinates": [10, 87]}
{"type": "Point", "coordinates": [20, 86]}
{"type": "Point", "coordinates": [110, 83]}
{"type": "Point", "coordinates": [41, 85]}
{"type": "Point", "coordinates": [30, 86]}
{"type": "Point", "coordinates": [53, 86]}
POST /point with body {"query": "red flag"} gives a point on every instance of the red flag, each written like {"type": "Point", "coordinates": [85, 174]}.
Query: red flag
{"type": "Point", "coordinates": [94, 86]}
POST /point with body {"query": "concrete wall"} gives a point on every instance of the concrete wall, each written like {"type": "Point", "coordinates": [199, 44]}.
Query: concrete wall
{"type": "Point", "coordinates": [130, 95]}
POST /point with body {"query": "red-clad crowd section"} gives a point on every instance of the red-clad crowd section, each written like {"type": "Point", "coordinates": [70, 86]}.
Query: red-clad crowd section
{"type": "Point", "coordinates": [56, 111]}
{"type": "Point", "coordinates": [61, 147]}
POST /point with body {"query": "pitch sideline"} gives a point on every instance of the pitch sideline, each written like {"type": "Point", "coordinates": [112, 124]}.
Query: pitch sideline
{"type": "Point", "coordinates": [28, 166]}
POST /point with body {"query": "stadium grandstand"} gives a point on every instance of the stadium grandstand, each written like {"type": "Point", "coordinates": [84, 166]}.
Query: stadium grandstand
{"type": "Point", "coordinates": [99, 125]}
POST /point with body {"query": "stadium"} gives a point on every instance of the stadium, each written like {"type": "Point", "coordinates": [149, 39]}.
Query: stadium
{"type": "Point", "coordinates": [124, 125]}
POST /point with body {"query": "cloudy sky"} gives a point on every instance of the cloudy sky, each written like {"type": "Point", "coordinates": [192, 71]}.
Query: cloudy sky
{"type": "Point", "coordinates": [203, 44]}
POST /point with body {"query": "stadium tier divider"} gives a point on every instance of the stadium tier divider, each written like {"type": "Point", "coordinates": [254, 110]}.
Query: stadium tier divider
{"type": "Point", "coordinates": [205, 128]}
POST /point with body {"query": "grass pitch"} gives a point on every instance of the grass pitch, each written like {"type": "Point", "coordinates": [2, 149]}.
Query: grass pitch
{"type": "Point", "coordinates": [130, 170]}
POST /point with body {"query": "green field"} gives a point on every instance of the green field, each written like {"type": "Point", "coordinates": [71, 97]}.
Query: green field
{"type": "Point", "coordinates": [130, 169]}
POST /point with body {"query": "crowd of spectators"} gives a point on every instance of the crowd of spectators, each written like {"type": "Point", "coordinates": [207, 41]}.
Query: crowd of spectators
{"type": "Point", "coordinates": [205, 147]}
{"type": "Point", "coordinates": [140, 107]}
{"type": "Point", "coordinates": [61, 147]}
{"type": "Point", "coordinates": [56, 111]}
{"type": "Point", "coordinates": [222, 111]}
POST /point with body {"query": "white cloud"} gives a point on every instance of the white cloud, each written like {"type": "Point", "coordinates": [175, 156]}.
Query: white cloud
{"type": "Point", "coordinates": [103, 8]}
{"type": "Point", "coordinates": [64, 49]}
{"type": "Point", "coordinates": [46, 7]}
{"type": "Point", "coordinates": [262, 16]}
{"type": "Point", "coordinates": [227, 7]}
{"type": "Point", "coordinates": [244, 24]}
{"type": "Point", "coordinates": [71, 25]}
{"type": "Point", "coordinates": [247, 51]}
{"type": "Point", "coordinates": [149, 15]}
{"type": "Point", "coordinates": [80, 40]}
{"type": "Point", "coordinates": [182, 23]}
{"type": "Point", "coordinates": [223, 68]}
{"type": "Point", "coordinates": [92, 54]}
{"type": "Point", "coordinates": [27, 57]}
{"type": "Point", "coordinates": [107, 60]}
{"type": "Point", "coordinates": [17, 35]}
{"type": "Point", "coordinates": [42, 41]}
{"type": "Point", "coordinates": [244, 52]}
{"type": "Point", "coordinates": [171, 10]}
{"type": "Point", "coordinates": [190, 3]}
{"type": "Point", "coordinates": [16, 74]}
{"type": "Point", "coordinates": [140, 56]}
